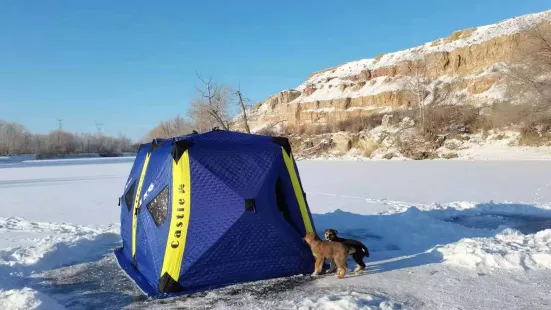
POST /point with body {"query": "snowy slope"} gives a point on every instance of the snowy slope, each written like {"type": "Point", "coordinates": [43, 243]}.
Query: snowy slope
{"type": "Point", "coordinates": [329, 84]}
{"type": "Point", "coordinates": [479, 35]}
{"type": "Point", "coordinates": [442, 235]}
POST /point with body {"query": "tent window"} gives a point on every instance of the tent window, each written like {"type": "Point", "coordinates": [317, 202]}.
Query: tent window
{"type": "Point", "coordinates": [128, 197]}
{"type": "Point", "coordinates": [158, 207]}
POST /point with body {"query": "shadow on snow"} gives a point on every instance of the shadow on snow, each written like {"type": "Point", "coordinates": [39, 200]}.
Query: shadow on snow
{"type": "Point", "coordinates": [405, 240]}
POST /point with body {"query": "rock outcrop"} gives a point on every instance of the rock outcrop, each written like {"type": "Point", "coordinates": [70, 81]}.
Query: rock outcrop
{"type": "Point", "coordinates": [470, 63]}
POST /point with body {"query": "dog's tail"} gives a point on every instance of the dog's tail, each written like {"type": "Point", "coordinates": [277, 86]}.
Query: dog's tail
{"type": "Point", "coordinates": [365, 250]}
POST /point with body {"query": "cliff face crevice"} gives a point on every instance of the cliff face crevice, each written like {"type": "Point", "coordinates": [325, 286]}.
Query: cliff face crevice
{"type": "Point", "coordinates": [469, 61]}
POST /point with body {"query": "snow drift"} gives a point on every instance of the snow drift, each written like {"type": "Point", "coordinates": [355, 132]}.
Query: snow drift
{"type": "Point", "coordinates": [509, 249]}
{"type": "Point", "coordinates": [27, 298]}
{"type": "Point", "coordinates": [349, 300]}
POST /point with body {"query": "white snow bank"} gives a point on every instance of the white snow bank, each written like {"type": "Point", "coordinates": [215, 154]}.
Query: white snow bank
{"type": "Point", "coordinates": [504, 152]}
{"type": "Point", "coordinates": [349, 300]}
{"type": "Point", "coordinates": [331, 90]}
{"type": "Point", "coordinates": [274, 128]}
{"type": "Point", "coordinates": [508, 250]}
{"type": "Point", "coordinates": [51, 245]}
{"type": "Point", "coordinates": [30, 248]}
{"type": "Point", "coordinates": [497, 145]}
{"type": "Point", "coordinates": [27, 299]}
{"type": "Point", "coordinates": [465, 208]}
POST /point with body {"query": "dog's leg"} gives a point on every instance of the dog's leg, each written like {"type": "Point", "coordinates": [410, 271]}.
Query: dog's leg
{"type": "Point", "coordinates": [318, 266]}
{"type": "Point", "coordinates": [342, 268]}
{"type": "Point", "coordinates": [358, 258]}
{"type": "Point", "coordinates": [332, 266]}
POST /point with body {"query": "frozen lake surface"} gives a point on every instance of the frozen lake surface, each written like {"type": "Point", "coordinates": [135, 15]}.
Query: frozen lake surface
{"type": "Point", "coordinates": [442, 234]}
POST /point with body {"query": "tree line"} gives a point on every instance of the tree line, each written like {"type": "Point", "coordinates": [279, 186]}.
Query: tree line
{"type": "Point", "coordinates": [15, 139]}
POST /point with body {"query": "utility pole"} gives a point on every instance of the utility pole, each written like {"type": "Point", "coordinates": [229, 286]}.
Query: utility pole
{"type": "Point", "coordinates": [60, 128]}
{"type": "Point", "coordinates": [100, 138]}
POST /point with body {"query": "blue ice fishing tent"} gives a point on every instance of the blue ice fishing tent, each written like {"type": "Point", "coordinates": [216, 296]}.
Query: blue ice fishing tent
{"type": "Point", "coordinates": [208, 210]}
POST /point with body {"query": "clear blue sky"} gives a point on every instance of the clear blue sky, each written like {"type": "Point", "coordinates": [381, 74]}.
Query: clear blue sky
{"type": "Point", "coordinates": [130, 64]}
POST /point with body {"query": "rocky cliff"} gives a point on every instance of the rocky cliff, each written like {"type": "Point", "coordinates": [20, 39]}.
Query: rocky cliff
{"type": "Point", "coordinates": [468, 64]}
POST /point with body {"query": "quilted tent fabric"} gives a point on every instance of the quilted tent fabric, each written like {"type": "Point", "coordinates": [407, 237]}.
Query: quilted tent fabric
{"type": "Point", "coordinates": [247, 214]}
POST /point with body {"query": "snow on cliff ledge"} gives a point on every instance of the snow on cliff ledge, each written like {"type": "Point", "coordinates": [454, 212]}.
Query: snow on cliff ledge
{"type": "Point", "coordinates": [477, 36]}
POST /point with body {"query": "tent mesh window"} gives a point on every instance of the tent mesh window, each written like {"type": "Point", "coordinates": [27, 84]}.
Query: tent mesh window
{"type": "Point", "coordinates": [158, 207]}
{"type": "Point", "coordinates": [128, 197]}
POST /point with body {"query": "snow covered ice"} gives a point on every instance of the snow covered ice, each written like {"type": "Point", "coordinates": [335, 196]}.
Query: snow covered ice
{"type": "Point", "coordinates": [442, 235]}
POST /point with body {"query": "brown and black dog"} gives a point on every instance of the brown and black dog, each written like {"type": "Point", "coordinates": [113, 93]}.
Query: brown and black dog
{"type": "Point", "coordinates": [323, 250]}
{"type": "Point", "coordinates": [359, 249]}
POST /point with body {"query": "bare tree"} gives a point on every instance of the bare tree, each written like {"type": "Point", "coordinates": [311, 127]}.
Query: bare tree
{"type": "Point", "coordinates": [3, 137]}
{"type": "Point", "coordinates": [39, 144]}
{"type": "Point", "coordinates": [213, 101]}
{"type": "Point", "coordinates": [426, 93]}
{"type": "Point", "coordinates": [243, 109]}
{"type": "Point", "coordinates": [61, 142]}
{"type": "Point", "coordinates": [170, 128]}
{"type": "Point", "coordinates": [124, 143]}
{"type": "Point", "coordinates": [528, 75]}
{"type": "Point", "coordinates": [12, 136]}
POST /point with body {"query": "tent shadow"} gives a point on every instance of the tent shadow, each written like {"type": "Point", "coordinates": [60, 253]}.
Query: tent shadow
{"type": "Point", "coordinates": [92, 285]}
{"type": "Point", "coordinates": [405, 262]}
{"type": "Point", "coordinates": [410, 239]}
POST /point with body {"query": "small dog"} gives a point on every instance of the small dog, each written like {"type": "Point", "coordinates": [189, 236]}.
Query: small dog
{"type": "Point", "coordinates": [323, 250]}
{"type": "Point", "coordinates": [359, 249]}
